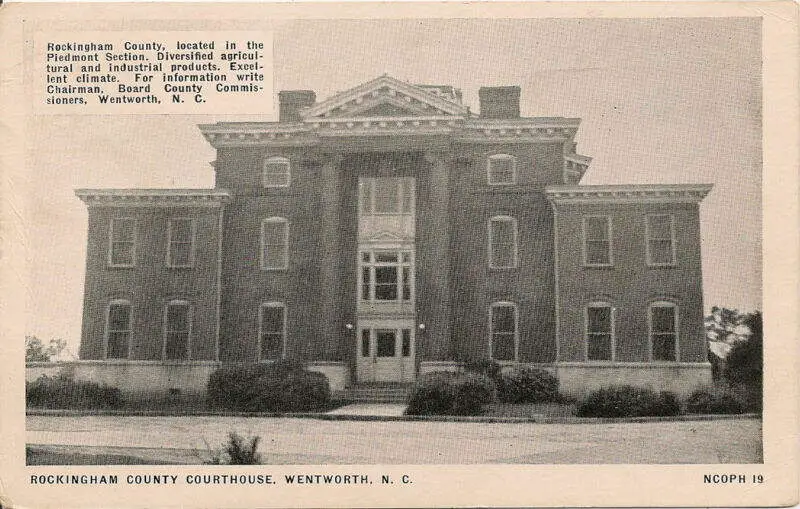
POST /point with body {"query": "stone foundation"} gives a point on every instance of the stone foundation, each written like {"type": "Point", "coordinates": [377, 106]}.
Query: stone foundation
{"type": "Point", "coordinates": [580, 378]}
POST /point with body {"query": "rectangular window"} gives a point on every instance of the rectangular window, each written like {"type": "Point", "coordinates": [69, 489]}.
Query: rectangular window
{"type": "Point", "coordinates": [118, 330]}
{"type": "Point", "coordinates": [502, 243]}
{"type": "Point", "coordinates": [663, 332]}
{"type": "Point", "coordinates": [274, 244]}
{"type": "Point", "coordinates": [180, 248]}
{"type": "Point", "coordinates": [122, 242]}
{"type": "Point", "coordinates": [501, 169]}
{"type": "Point", "coordinates": [386, 195]}
{"type": "Point", "coordinates": [597, 240]}
{"type": "Point", "coordinates": [273, 331]}
{"type": "Point", "coordinates": [503, 323]}
{"type": "Point", "coordinates": [599, 333]}
{"type": "Point", "coordinates": [385, 342]}
{"type": "Point", "coordinates": [386, 276]}
{"type": "Point", "coordinates": [177, 330]}
{"type": "Point", "coordinates": [660, 240]}
{"type": "Point", "coordinates": [277, 172]}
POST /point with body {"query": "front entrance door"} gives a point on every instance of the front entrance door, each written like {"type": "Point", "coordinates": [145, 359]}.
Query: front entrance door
{"type": "Point", "coordinates": [385, 351]}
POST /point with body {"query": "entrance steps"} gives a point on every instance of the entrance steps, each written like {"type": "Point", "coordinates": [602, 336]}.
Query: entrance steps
{"type": "Point", "coordinates": [375, 393]}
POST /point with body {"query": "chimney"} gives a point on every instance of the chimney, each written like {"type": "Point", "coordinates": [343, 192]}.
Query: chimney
{"type": "Point", "coordinates": [292, 101]}
{"type": "Point", "coordinates": [499, 102]}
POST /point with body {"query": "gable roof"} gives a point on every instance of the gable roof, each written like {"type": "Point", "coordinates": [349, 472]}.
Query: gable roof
{"type": "Point", "coordinates": [412, 100]}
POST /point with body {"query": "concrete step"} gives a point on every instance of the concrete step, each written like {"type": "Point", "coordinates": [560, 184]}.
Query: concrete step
{"type": "Point", "coordinates": [375, 393]}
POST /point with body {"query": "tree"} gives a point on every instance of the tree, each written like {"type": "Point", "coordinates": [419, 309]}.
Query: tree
{"type": "Point", "coordinates": [724, 324]}
{"type": "Point", "coordinates": [37, 351]}
{"type": "Point", "coordinates": [744, 365]}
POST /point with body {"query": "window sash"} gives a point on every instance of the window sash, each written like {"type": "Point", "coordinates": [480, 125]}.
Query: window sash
{"type": "Point", "coordinates": [122, 242]}
{"type": "Point", "coordinates": [118, 331]}
{"type": "Point", "coordinates": [277, 173]}
{"type": "Point", "coordinates": [177, 328]}
{"type": "Point", "coordinates": [503, 243]}
{"type": "Point", "coordinates": [275, 244]}
{"type": "Point", "coordinates": [664, 332]}
{"type": "Point", "coordinates": [503, 323]}
{"type": "Point", "coordinates": [386, 279]}
{"type": "Point", "coordinates": [660, 240]}
{"type": "Point", "coordinates": [664, 346]}
{"type": "Point", "coordinates": [272, 335]}
{"type": "Point", "coordinates": [597, 240]}
{"type": "Point", "coordinates": [180, 243]}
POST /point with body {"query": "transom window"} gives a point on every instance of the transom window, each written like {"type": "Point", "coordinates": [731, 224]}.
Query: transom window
{"type": "Point", "coordinates": [180, 245]}
{"type": "Point", "coordinates": [118, 329]}
{"type": "Point", "coordinates": [501, 169]}
{"type": "Point", "coordinates": [599, 332]}
{"type": "Point", "coordinates": [503, 331]}
{"type": "Point", "coordinates": [122, 242]}
{"type": "Point", "coordinates": [660, 240]}
{"type": "Point", "coordinates": [277, 172]}
{"type": "Point", "coordinates": [502, 242]}
{"type": "Point", "coordinates": [386, 195]}
{"type": "Point", "coordinates": [663, 317]}
{"type": "Point", "coordinates": [177, 330]}
{"type": "Point", "coordinates": [272, 331]}
{"type": "Point", "coordinates": [274, 243]}
{"type": "Point", "coordinates": [386, 275]}
{"type": "Point", "coordinates": [597, 241]}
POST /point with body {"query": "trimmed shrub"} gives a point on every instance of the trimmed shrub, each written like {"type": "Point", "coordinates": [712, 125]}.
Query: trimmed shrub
{"type": "Point", "coordinates": [628, 401]}
{"type": "Point", "coordinates": [63, 391]}
{"type": "Point", "coordinates": [528, 385]}
{"type": "Point", "coordinates": [487, 367]}
{"type": "Point", "coordinates": [713, 401]}
{"type": "Point", "coordinates": [282, 386]}
{"type": "Point", "coordinates": [445, 393]}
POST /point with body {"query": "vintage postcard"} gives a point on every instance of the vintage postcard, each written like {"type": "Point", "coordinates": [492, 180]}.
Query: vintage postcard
{"type": "Point", "coordinates": [399, 254]}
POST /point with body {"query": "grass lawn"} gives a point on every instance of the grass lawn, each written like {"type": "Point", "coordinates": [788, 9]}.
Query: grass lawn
{"type": "Point", "coordinates": [530, 410]}
{"type": "Point", "coordinates": [44, 456]}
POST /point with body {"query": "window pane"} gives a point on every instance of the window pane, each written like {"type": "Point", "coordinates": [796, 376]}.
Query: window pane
{"type": "Point", "coordinates": [599, 319]}
{"type": "Point", "coordinates": [503, 346]}
{"type": "Point", "coordinates": [597, 228]}
{"type": "Point", "coordinates": [180, 230]}
{"type": "Point", "coordinates": [178, 317]}
{"type": "Point", "coordinates": [385, 342]}
{"type": "Point", "coordinates": [276, 173]}
{"type": "Point", "coordinates": [180, 254]}
{"type": "Point", "coordinates": [387, 195]}
{"type": "Point", "coordinates": [118, 345]}
{"type": "Point", "coordinates": [663, 319]}
{"type": "Point", "coordinates": [386, 275]}
{"type": "Point", "coordinates": [271, 346]}
{"type": "Point", "coordinates": [660, 251]}
{"type": "Point", "coordinates": [503, 319]}
{"type": "Point", "coordinates": [384, 257]}
{"type": "Point", "coordinates": [272, 319]}
{"type": "Point", "coordinates": [664, 347]}
{"type": "Point", "coordinates": [274, 233]}
{"type": "Point", "coordinates": [659, 227]}
{"type": "Point", "coordinates": [597, 252]}
{"type": "Point", "coordinates": [406, 343]}
{"type": "Point", "coordinates": [123, 230]}
{"type": "Point", "coordinates": [275, 245]}
{"type": "Point", "coordinates": [119, 317]}
{"type": "Point", "coordinates": [365, 343]}
{"type": "Point", "coordinates": [599, 347]}
{"type": "Point", "coordinates": [122, 253]}
{"type": "Point", "coordinates": [177, 345]}
{"type": "Point", "coordinates": [406, 284]}
{"type": "Point", "coordinates": [365, 283]}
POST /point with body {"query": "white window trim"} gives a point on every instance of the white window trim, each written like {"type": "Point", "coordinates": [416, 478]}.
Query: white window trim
{"type": "Point", "coordinates": [647, 239]}
{"type": "Point", "coordinates": [166, 331]}
{"type": "Point", "coordinates": [609, 232]}
{"type": "Point", "coordinates": [516, 328]}
{"type": "Point", "coordinates": [262, 260]}
{"type": "Point", "coordinates": [600, 304]}
{"type": "Point", "coordinates": [516, 242]}
{"type": "Point", "coordinates": [193, 223]}
{"type": "Point", "coordinates": [111, 243]}
{"type": "Point", "coordinates": [674, 306]}
{"type": "Point", "coordinates": [271, 304]}
{"type": "Point", "coordinates": [107, 334]}
{"type": "Point", "coordinates": [403, 267]}
{"type": "Point", "coordinates": [276, 159]}
{"type": "Point", "coordinates": [501, 157]}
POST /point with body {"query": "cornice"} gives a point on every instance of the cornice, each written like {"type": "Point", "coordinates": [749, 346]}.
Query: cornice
{"type": "Point", "coordinates": [153, 197]}
{"type": "Point", "coordinates": [650, 193]}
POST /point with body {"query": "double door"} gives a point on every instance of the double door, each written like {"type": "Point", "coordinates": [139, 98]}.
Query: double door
{"type": "Point", "coordinates": [385, 351]}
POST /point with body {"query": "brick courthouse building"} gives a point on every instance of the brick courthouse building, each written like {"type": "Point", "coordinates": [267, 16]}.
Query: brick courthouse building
{"type": "Point", "coordinates": [386, 232]}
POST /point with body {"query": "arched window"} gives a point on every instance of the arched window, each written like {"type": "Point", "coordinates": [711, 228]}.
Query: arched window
{"type": "Point", "coordinates": [274, 243]}
{"type": "Point", "coordinates": [663, 326]}
{"type": "Point", "coordinates": [503, 331]}
{"type": "Point", "coordinates": [501, 170]}
{"type": "Point", "coordinates": [177, 330]}
{"type": "Point", "coordinates": [600, 332]}
{"type": "Point", "coordinates": [118, 329]}
{"type": "Point", "coordinates": [502, 242]}
{"type": "Point", "coordinates": [277, 172]}
{"type": "Point", "coordinates": [271, 331]}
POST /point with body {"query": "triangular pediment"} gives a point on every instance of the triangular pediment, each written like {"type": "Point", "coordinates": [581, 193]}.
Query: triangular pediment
{"type": "Point", "coordinates": [384, 97]}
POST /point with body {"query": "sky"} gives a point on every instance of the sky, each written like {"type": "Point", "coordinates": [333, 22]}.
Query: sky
{"type": "Point", "coordinates": [661, 101]}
